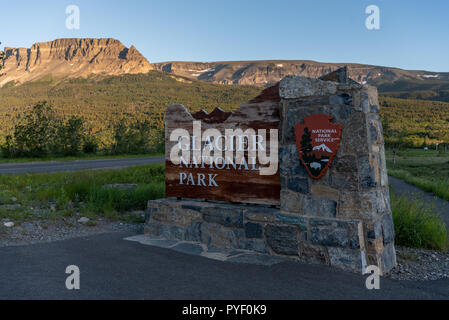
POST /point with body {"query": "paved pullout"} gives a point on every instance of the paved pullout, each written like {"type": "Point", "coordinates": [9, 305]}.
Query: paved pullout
{"type": "Point", "coordinates": [402, 188]}
{"type": "Point", "coordinates": [64, 166]}
{"type": "Point", "coordinates": [112, 268]}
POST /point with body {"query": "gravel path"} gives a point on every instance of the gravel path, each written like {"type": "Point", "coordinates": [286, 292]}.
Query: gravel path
{"type": "Point", "coordinates": [420, 265]}
{"type": "Point", "coordinates": [402, 188]}
{"type": "Point", "coordinates": [44, 231]}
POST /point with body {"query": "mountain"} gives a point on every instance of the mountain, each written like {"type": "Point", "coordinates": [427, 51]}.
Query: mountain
{"type": "Point", "coordinates": [75, 58]}
{"type": "Point", "coordinates": [71, 58]}
{"type": "Point", "coordinates": [267, 72]}
{"type": "Point", "coordinates": [415, 84]}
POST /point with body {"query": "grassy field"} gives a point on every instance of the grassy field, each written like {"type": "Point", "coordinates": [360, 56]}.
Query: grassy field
{"type": "Point", "coordinates": [425, 169]}
{"type": "Point", "coordinates": [52, 196]}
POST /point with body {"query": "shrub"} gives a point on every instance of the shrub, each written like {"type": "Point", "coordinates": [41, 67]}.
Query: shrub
{"type": "Point", "coordinates": [131, 138]}
{"type": "Point", "coordinates": [34, 135]}
{"type": "Point", "coordinates": [8, 149]}
{"type": "Point", "coordinates": [40, 133]}
{"type": "Point", "coordinates": [90, 144]}
{"type": "Point", "coordinates": [418, 225]}
{"type": "Point", "coordinates": [69, 137]}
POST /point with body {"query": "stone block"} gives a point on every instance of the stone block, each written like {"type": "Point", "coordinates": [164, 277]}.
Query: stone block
{"type": "Point", "coordinates": [369, 99]}
{"type": "Point", "coordinates": [388, 258]}
{"type": "Point", "coordinates": [312, 253]}
{"type": "Point", "coordinates": [291, 201]}
{"type": "Point", "coordinates": [319, 207]}
{"type": "Point", "coordinates": [260, 214]}
{"type": "Point", "coordinates": [282, 239]}
{"type": "Point", "coordinates": [216, 235]}
{"type": "Point", "coordinates": [341, 98]}
{"type": "Point", "coordinates": [298, 184]}
{"type": "Point", "coordinates": [354, 137]}
{"type": "Point", "coordinates": [344, 173]}
{"type": "Point", "coordinates": [290, 164]}
{"type": "Point", "coordinates": [253, 245]}
{"type": "Point", "coordinates": [324, 191]}
{"type": "Point", "coordinates": [329, 237]}
{"type": "Point", "coordinates": [293, 87]}
{"type": "Point", "coordinates": [346, 259]}
{"type": "Point", "coordinates": [253, 230]}
{"type": "Point", "coordinates": [374, 230]}
{"type": "Point", "coordinates": [168, 213]}
{"type": "Point", "coordinates": [300, 222]}
{"type": "Point", "coordinates": [193, 232]}
{"type": "Point", "coordinates": [228, 217]}
{"type": "Point", "coordinates": [165, 231]}
{"type": "Point", "coordinates": [364, 205]}
{"type": "Point", "coordinates": [388, 229]}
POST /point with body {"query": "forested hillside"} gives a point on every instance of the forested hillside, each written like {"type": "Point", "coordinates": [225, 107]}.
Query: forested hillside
{"type": "Point", "coordinates": [105, 101]}
{"type": "Point", "coordinates": [414, 122]}
{"type": "Point", "coordinates": [434, 89]}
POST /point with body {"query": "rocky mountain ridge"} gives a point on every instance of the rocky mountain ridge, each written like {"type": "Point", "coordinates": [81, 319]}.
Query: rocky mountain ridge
{"type": "Point", "coordinates": [75, 58]}
{"type": "Point", "coordinates": [72, 58]}
{"type": "Point", "coordinates": [268, 72]}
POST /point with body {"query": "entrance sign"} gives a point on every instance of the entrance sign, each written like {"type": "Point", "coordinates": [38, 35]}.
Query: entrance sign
{"type": "Point", "coordinates": [229, 156]}
{"type": "Point", "coordinates": [272, 151]}
{"type": "Point", "coordinates": [318, 141]}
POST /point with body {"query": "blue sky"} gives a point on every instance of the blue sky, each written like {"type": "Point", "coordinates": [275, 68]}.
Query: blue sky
{"type": "Point", "coordinates": [413, 34]}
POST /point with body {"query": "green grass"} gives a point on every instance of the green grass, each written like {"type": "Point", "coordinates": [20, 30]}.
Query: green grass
{"type": "Point", "coordinates": [82, 192]}
{"type": "Point", "coordinates": [428, 170]}
{"type": "Point", "coordinates": [417, 225]}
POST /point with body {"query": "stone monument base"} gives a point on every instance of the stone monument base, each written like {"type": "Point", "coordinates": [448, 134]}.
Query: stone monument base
{"type": "Point", "coordinates": [261, 229]}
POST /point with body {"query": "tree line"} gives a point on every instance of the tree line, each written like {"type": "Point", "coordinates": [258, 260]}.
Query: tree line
{"type": "Point", "coordinates": [42, 133]}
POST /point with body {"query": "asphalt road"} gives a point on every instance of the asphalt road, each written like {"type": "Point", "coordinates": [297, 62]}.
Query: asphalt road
{"type": "Point", "coordinates": [65, 166]}
{"type": "Point", "coordinates": [112, 268]}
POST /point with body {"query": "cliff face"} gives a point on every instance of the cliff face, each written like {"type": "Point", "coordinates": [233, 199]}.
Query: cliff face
{"type": "Point", "coordinates": [265, 73]}
{"type": "Point", "coordinates": [71, 58]}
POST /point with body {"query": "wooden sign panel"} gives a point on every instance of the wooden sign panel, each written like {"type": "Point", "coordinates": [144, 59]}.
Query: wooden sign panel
{"type": "Point", "coordinates": [229, 156]}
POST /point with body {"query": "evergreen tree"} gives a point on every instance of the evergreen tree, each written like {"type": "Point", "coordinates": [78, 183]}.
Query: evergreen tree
{"type": "Point", "coordinates": [306, 141]}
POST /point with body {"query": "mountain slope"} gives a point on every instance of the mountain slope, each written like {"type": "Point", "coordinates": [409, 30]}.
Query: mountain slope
{"type": "Point", "coordinates": [133, 96]}
{"type": "Point", "coordinates": [74, 58]}
{"type": "Point", "coordinates": [71, 58]}
{"type": "Point", "coordinates": [267, 72]}
{"type": "Point", "coordinates": [391, 81]}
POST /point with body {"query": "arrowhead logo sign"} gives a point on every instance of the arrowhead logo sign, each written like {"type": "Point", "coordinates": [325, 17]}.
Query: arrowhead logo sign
{"type": "Point", "coordinates": [318, 141]}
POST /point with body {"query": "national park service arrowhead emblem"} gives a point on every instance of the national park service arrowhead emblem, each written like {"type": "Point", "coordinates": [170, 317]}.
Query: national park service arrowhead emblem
{"type": "Point", "coordinates": [318, 141]}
